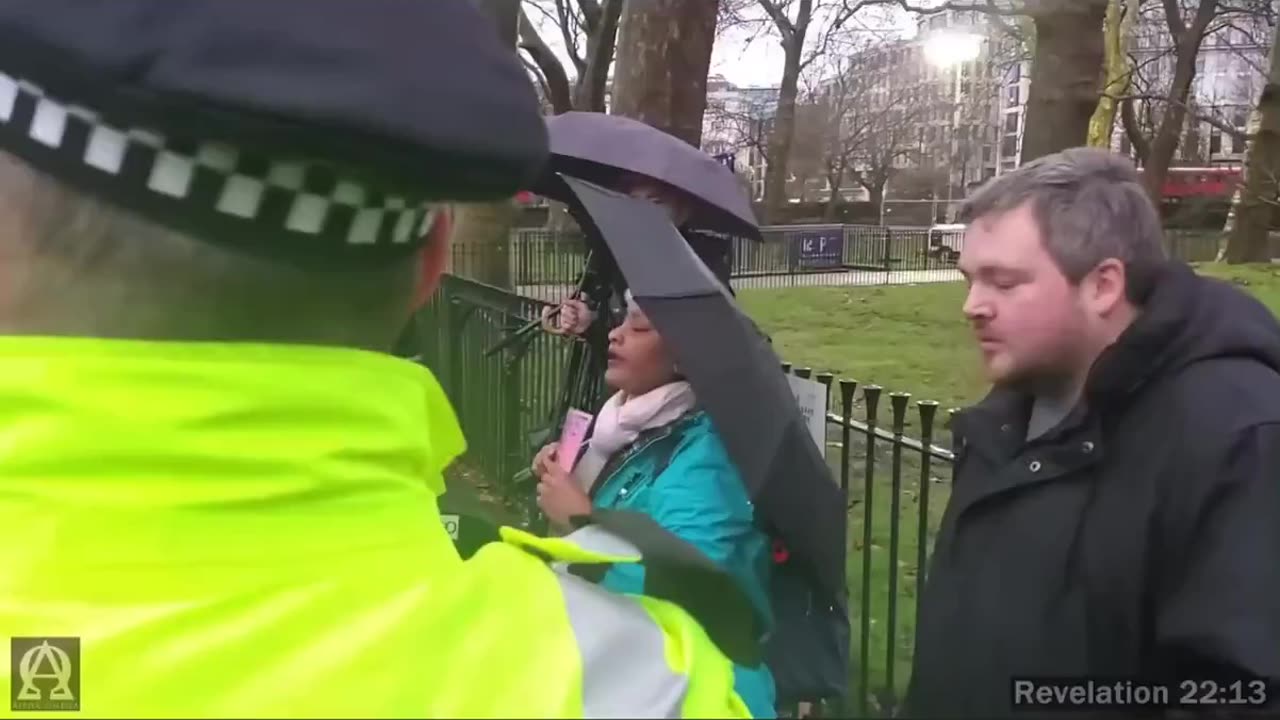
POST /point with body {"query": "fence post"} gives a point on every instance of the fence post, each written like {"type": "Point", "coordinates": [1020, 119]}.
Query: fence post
{"type": "Point", "coordinates": [847, 390]}
{"type": "Point", "coordinates": [888, 249]}
{"type": "Point", "coordinates": [456, 317]}
{"type": "Point", "coordinates": [871, 400]}
{"type": "Point", "coordinates": [514, 447]}
{"type": "Point", "coordinates": [899, 402]}
{"type": "Point", "coordinates": [928, 411]}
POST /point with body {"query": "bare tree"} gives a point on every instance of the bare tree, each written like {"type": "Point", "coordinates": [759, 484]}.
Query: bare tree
{"type": "Point", "coordinates": [736, 125]}
{"type": "Point", "coordinates": [589, 31]}
{"type": "Point", "coordinates": [1186, 40]}
{"type": "Point", "coordinates": [806, 30]}
{"type": "Point", "coordinates": [1155, 114]}
{"type": "Point", "coordinates": [861, 127]}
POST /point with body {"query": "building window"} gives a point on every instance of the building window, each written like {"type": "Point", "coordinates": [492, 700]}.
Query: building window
{"type": "Point", "coordinates": [1011, 123]}
{"type": "Point", "coordinates": [1215, 143]}
{"type": "Point", "coordinates": [1009, 148]}
{"type": "Point", "coordinates": [1014, 95]}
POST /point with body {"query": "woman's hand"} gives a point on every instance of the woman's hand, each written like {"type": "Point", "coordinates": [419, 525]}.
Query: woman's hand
{"type": "Point", "coordinates": [559, 496]}
{"type": "Point", "coordinates": [546, 456]}
{"type": "Point", "coordinates": [574, 318]}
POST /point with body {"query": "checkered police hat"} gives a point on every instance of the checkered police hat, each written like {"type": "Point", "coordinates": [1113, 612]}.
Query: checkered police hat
{"type": "Point", "coordinates": [307, 129]}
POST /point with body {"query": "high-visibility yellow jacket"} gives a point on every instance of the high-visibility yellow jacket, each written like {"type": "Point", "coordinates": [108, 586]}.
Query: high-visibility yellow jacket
{"type": "Point", "coordinates": [252, 531]}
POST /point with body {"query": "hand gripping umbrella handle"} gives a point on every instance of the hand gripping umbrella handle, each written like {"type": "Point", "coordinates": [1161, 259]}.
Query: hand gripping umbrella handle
{"type": "Point", "coordinates": [532, 325]}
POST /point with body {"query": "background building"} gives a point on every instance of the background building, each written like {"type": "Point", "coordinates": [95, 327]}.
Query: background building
{"type": "Point", "coordinates": [737, 123]}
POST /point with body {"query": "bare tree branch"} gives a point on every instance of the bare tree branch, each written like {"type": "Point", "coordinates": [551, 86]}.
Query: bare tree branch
{"type": "Point", "coordinates": [552, 72]}
{"type": "Point", "coordinates": [590, 10]}
{"type": "Point", "coordinates": [536, 72]}
{"type": "Point", "coordinates": [569, 24]}
{"type": "Point", "coordinates": [776, 13]}
{"type": "Point", "coordinates": [1129, 119]}
{"type": "Point", "coordinates": [988, 7]}
{"type": "Point", "coordinates": [1173, 16]}
{"type": "Point", "coordinates": [1207, 118]}
{"type": "Point", "coordinates": [601, 43]}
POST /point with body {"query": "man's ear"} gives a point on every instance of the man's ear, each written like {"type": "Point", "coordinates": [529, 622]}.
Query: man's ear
{"type": "Point", "coordinates": [435, 257]}
{"type": "Point", "coordinates": [1106, 289]}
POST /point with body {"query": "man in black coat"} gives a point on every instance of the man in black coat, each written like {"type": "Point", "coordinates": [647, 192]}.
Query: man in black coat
{"type": "Point", "coordinates": [1116, 510]}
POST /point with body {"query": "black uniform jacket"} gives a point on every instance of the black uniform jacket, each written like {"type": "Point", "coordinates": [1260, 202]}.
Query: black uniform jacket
{"type": "Point", "coordinates": [1140, 538]}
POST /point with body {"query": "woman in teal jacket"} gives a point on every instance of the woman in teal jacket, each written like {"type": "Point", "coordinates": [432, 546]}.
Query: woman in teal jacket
{"type": "Point", "coordinates": [653, 450]}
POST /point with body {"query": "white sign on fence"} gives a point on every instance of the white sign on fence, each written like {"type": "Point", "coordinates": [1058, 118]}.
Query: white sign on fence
{"type": "Point", "coordinates": [811, 396]}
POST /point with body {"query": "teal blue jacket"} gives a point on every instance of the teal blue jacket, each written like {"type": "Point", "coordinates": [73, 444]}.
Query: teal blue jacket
{"type": "Point", "coordinates": [700, 497]}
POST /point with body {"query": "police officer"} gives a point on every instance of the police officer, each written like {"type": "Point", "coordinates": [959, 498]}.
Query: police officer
{"type": "Point", "coordinates": [217, 492]}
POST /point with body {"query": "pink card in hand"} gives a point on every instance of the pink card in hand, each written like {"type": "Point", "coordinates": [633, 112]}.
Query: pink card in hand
{"type": "Point", "coordinates": [572, 436]}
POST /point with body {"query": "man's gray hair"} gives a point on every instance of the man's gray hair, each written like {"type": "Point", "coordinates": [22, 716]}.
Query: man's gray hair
{"type": "Point", "coordinates": [74, 265]}
{"type": "Point", "coordinates": [1090, 205]}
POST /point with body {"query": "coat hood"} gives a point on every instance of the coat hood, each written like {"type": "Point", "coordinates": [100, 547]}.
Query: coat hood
{"type": "Point", "coordinates": [1187, 318]}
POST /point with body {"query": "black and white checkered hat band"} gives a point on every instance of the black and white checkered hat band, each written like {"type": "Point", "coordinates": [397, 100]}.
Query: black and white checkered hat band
{"type": "Point", "coordinates": [300, 201]}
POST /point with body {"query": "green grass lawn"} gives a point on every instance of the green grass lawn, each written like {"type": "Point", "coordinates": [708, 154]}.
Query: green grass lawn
{"type": "Point", "coordinates": [912, 339]}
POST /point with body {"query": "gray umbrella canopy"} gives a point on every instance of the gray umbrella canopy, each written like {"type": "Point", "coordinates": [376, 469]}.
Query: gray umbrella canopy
{"type": "Point", "coordinates": [601, 148]}
{"type": "Point", "coordinates": [734, 373]}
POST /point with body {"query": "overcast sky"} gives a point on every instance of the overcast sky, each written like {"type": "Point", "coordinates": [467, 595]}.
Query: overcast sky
{"type": "Point", "coordinates": [736, 56]}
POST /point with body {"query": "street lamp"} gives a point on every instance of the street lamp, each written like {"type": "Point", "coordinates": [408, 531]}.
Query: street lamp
{"type": "Point", "coordinates": [947, 49]}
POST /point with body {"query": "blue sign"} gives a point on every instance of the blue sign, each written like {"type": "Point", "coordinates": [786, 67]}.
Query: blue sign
{"type": "Point", "coordinates": [822, 248]}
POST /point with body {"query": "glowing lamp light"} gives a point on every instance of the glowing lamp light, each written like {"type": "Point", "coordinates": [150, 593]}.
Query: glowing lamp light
{"type": "Point", "coordinates": [947, 48]}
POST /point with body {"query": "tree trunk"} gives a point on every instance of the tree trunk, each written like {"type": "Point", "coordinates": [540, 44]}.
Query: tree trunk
{"type": "Point", "coordinates": [664, 54]}
{"type": "Point", "coordinates": [590, 92]}
{"type": "Point", "coordinates": [833, 200]}
{"type": "Point", "coordinates": [1066, 73]}
{"type": "Point", "coordinates": [482, 237]}
{"type": "Point", "coordinates": [1249, 240]}
{"type": "Point", "coordinates": [1251, 129]}
{"type": "Point", "coordinates": [783, 133]}
{"type": "Point", "coordinates": [1117, 28]}
{"type": "Point", "coordinates": [875, 194]}
{"type": "Point", "coordinates": [1165, 143]}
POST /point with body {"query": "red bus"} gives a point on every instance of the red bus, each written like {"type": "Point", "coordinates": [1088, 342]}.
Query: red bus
{"type": "Point", "coordinates": [1201, 182]}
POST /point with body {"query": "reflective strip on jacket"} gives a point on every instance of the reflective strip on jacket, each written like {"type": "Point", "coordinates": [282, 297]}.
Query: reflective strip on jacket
{"type": "Point", "coordinates": [252, 531]}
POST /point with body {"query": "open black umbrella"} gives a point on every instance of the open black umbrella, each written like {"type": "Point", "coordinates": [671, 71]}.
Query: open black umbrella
{"type": "Point", "coordinates": [600, 148]}
{"type": "Point", "coordinates": [734, 372]}
{"type": "Point", "coordinates": [604, 148]}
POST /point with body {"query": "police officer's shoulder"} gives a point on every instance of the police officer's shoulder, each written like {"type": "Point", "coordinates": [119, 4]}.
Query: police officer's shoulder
{"type": "Point", "coordinates": [319, 121]}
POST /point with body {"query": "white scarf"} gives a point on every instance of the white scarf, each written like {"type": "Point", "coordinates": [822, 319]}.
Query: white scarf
{"type": "Point", "coordinates": [621, 421]}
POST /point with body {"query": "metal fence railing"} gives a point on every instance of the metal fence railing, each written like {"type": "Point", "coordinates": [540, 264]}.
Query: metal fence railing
{"type": "Point", "coordinates": [892, 462]}
{"type": "Point", "coordinates": [545, 265]}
